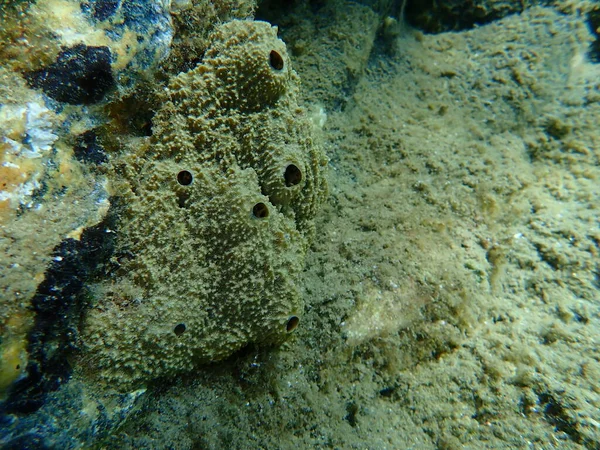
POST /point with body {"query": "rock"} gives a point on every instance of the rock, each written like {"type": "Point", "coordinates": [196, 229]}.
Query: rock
{"type": "Point", "coordinates": [453, 15]}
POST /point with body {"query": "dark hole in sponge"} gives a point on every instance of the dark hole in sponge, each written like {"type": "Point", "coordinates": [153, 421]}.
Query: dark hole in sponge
{"type": "Point", "coordinates": [275, 60]}
{"type": "Point", "coordinates": [292, 175]}
{"type": "Point", "coordinates": [179, 329]}
{"type": "Point", "coordinates": [292, 323]}
{"type": "Point", "coordinates": [260, 211]}
{"type": "Point", "coordinates": [185, 178]}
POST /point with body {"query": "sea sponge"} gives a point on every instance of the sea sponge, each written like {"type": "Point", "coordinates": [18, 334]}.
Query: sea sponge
{"type": "Point", "coordinates": [216, 215]}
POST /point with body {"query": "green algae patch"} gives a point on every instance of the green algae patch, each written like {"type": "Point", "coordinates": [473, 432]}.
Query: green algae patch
{"type": "Point", "coordinates": [216, 215]}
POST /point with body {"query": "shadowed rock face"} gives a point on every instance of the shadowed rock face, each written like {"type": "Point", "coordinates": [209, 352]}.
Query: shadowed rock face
{"type": "Point", "coordinates": [218, 209]}
{"type": "Point", "coordinates": [453, 15]}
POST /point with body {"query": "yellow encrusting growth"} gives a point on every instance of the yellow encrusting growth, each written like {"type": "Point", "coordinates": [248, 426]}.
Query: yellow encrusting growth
{"type": "Point", "coordinates": [217, 216]}
{"type": "Point", "coordinates": [13, 352]}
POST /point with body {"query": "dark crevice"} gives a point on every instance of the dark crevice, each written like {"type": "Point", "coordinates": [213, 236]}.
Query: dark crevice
{"type": "Point", "coordinates": [352, 414]}
{"type": "Point", "coordinates": [133, 114]}
{"type": "Point", "coordinates": [556, 414]}
{"type": "Point", "coordinates": [438, 16]}
{"type": "Point", "coordinates": [593, 20]}
{"type": "Point", "coordinates": [89, 150]}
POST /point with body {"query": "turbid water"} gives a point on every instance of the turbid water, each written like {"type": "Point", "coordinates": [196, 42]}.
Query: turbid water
{"type": "Point", "coordinates": [451, 289]}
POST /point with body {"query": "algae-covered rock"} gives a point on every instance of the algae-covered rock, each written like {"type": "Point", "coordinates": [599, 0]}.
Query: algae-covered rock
{"type": "Point", "coordinates": [47, 196]}
{"type": "Point", "coordinates": [216, 212]}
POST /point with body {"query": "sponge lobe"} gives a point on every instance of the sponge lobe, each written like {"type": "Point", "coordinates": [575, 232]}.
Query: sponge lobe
{"type": "Point", "coordinates": [263, 73]}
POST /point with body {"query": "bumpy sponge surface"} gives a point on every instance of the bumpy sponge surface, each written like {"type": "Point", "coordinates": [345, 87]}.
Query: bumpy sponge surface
{"type": "Point", "coordinates": [217, 215]}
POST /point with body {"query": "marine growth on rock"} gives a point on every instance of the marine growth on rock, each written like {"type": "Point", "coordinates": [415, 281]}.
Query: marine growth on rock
{"type": "Point", "coordinates": [216, 215]}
